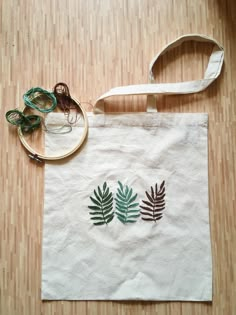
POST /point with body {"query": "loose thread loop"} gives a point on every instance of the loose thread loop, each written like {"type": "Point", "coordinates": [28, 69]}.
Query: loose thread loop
{"type": "Point", "coordinates": [60, 130]}
{"type": "Point", "coordinates": [27, 123]}
{"type": "Point", "coordinates": [60, 97]}
{"type": "Point", "coordinates": [33, 93]}
{"type": "Point", "coordinates": [66, 103]}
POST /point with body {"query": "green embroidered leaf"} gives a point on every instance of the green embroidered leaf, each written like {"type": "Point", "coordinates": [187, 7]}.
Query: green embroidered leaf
{"type": "Point", "coordinates": [96, 218]}
{"type": "Point", "coordinates": [99, 223]}
{"type": "Point", "coordinates": [96, 195]}
{"type": "Point", "coordinates": [103, 206]}
{"type": "Point", "coordinates": [133, 198]}
{"type": "Point", "coordinates": [121, 193]}
{"type": "Point", "coordinates": [109, 207]}
{"type": "Point", "coordinates": [121, 218]}
{"type": "Point", "coordinates": [134, 205]}
{"type": "Point", "coordinates": [106, 193]}
{"type": "Point", "coordinates": [107, 211]}
{"type": "Point", "coordinates": [96, 212]}
{"type": "Point", "coordinates": [109, 216]}
{"type": "Point", "coordinates": [99, 191]}
{"type": "Point", "coordinates": [130, 194]}
{"type": "Point", "coordinates": [132, 211]}
{"type": "Point", "coordinates": [124, 202]}
{"type": "Point", "coordinates": [104, 186]}
{"type": "Point", "coordinates": [120, 203]}
{"type": "Point", "coordinates": [95, 201]}
{"type": "Point", "coordinates": [94, 207]}
{"type": "Point", "coordinates": [121, 186]}
{"type": "Point", "coordinates": [109, 196]}
{"type": "Point", "coordinates": [110, 219]}
{"type": "Point", "coordinates": [108, 202]}
{"type": "Point", "coordinates": [133, 216]}
{"type": "Point", "coordinates": [121, 197]}
{"type": "Point", "coordinates": [153, 207]}
{"type": "Point", "coordinates": [121, 215]}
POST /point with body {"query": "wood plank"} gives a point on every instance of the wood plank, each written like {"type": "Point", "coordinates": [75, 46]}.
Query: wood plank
{"type": "Point", "coordinates": [94, 46]}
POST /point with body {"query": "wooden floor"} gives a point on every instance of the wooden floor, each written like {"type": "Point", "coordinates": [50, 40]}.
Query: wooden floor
{"type": "Point", "coordinates": [93, 46]}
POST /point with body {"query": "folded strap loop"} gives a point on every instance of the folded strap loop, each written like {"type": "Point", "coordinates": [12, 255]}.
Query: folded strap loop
{"type": "Point", "coordinates": [212, 72]}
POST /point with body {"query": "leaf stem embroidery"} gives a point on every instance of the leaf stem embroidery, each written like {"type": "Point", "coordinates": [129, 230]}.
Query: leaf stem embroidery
{"type": "Point", "coordinates": [103, 206]}
{"type": "Point", "coordinates": [155, 204]}
{"type": "Point", "coordinates": [127, 211]}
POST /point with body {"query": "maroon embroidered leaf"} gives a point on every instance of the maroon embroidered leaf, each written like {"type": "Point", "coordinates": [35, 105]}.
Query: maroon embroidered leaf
{"type": "Point", "coordinates": [154, 205]}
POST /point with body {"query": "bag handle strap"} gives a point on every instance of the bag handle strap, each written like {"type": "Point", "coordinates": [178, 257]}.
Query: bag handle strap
{"type": "Point", "coordinates": [212, 72]}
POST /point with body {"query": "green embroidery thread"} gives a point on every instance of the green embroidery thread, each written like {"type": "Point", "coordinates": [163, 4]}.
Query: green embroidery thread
{"type": "Point", "coordinates": [127, 211]}
{"type": "Point", "coordinates": [103, 206]}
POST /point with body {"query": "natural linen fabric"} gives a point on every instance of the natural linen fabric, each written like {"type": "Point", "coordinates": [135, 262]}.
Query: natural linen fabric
{"type": "Point", "coordinates": [167, 260]}
{"type": "Point", "coordinates": [163, 159]}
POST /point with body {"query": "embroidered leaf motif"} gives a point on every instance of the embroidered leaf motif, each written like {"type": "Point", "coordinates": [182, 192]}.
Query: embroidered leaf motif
{"type": "Point", "coordinates": [102, 208]}
{"type": "Point", "coordinates": [155, 204]}
{"type": "Point", "coordinates": [126, 207]}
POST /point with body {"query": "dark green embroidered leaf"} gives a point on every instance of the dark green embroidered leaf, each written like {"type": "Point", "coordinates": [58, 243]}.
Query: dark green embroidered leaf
{"type": "Point", "coordinates": [96, 212]}
{"type": "Point", "coordinates": [110, 219]}
{"type": "Point", "coordinates": [108, 197]}
{"type": "Point", "coordinates": [106, 193]}
{"type": "Point", "coordinates": [155, 204]}
{"type": "Point", "coordinates": [124, 201]}
{"type": "Point", "coordinates": [109, 207]}
{"type": "Point", "coordinates": [108, 202]}
{"type": "Point", "coordinates": [99, 223]}
{"type": "Point", "coordinates": [95, 201]}
{"type": "Point", "coordinates": [94, 207]}
{"type": "Point", "coordinates": [103, 206]}
{"type": "Point", "coordinates": [97, 218]}
{"type": "Point", "coordinates": [96, 195]}
{"type": "Point", "coordinates": [99, 191]}
{"type": "Point", "coordinates": [104, 186]}
{"type": "Point", "coordinates": [109, 216]}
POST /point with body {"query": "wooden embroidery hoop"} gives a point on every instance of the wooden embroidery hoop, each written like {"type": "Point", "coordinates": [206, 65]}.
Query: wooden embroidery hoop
{"type": "Point", "coordinates": [38, 156]}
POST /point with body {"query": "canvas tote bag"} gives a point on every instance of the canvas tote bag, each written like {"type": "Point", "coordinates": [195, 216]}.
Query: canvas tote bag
{"type": "Point", "coordinates": [127, 218]}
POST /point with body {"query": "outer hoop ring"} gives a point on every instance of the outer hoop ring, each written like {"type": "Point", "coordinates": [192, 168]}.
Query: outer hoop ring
{"type": "Point", "coordinates": [57, 157]}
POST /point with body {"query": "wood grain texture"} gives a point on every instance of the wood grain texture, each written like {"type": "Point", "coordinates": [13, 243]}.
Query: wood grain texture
{"type": "Point", "coordinates": [93, 46]}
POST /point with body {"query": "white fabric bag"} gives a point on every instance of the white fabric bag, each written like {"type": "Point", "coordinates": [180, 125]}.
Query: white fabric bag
{"type": "Point", "coordinates": [127, 218]}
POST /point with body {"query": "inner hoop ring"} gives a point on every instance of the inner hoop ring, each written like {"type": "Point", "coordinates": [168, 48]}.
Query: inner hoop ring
{"type": "Point", "coordinates": [57, 157]}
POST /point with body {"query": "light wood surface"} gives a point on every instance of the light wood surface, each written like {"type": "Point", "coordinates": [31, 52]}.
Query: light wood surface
{"type": "Point", "coordinates": [94, 46]}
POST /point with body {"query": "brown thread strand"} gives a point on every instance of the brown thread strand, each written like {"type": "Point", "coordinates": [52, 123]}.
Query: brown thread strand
{"type": "Point", "coordinates": [66, 103]}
